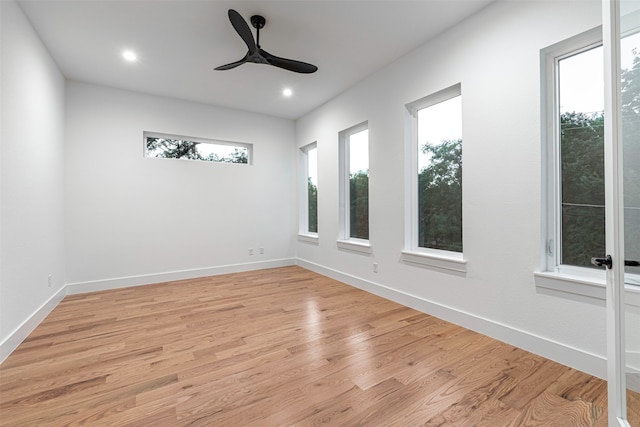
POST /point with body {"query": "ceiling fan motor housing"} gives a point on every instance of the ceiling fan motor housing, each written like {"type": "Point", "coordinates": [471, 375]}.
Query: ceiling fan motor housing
{"type": "Point", "coordinates": [258, 21]}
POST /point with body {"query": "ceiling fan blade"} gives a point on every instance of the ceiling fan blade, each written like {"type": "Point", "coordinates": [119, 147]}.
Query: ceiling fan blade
{"type": "Point", "coordinates": [233, 64]}
{"type": "Point", "coordinates": [243, 30]}
{"type": "Point", "coordinates": [288, 64]}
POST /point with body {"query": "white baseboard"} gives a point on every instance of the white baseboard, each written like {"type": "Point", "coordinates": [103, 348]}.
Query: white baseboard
{"type": "Point", "coordinates": [579, 359]}
{"type": "Point", "coordinates": [561, 353]}
{"type": "Point", "coordinates": [22, 332]}
{"type": "Point", "coordinates": [147, 279]}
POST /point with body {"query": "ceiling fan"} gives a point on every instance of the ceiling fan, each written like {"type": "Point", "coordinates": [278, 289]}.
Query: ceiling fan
{"type": "Point", "coordinates": [255, 54]}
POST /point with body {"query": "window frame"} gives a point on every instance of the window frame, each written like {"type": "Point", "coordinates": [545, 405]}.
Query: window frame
{"type": "Point", "coordinates": [550, 120]}
{"type": "Point", "coordinates": [413, 254]}
{"type": "Point", "coordinates": [303, 219]}
{"type": "Point", "coordinates": [345, 241]}
{"type": "Point", "coordinates": [567, 281]}
{"type": "Point", "coordinates": [200, 140]}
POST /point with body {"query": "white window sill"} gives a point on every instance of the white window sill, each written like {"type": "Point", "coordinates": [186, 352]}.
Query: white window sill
{"type": "Point", "coordinates": [359, 246]}
{"type": "Point", "coordinates": [309, 238]}
{"type": "Point", "coordinates": [580, 288]}
{"type": "Point", "coordinates": [452, 263]}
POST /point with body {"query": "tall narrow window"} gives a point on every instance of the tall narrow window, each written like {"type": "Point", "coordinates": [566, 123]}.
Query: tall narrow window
{"type": "Point", "coordinates": [573, 160]}
{"type": "Point", "coordinates": [354, 183]}
{"type": "Point", "coordinates": [440, 175]}
{"type": "Point", "coordinates": [574, 152]}
{"type": "Point", "coordinates": [630, 82]}
{"type": "Point", "coordinates": [312, 189]}
{"type": "Point", "coordinates": [433, 207]}
{"type": "Point", "coordinates": [309, 189]}
{"type": "Point", "coordinates": [580, 135]}
{"type": "Point", "coordinates": [359, 185]}
{"type": "Point", "coordinates": [311, 161]}
{"type": "Point", "coordinates": [574, 149]}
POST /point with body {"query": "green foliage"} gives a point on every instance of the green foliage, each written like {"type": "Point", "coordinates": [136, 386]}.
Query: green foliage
{"type": "Point", "coordinates": [582, 169]}
{"type": "Point", "coordinates": [440, 197]}
{"type": "Point", "coordinates": [359, 206]}
{"type": "Point", "coordinates": [631, 132]}
{"type": "Point", "coordinates": [631, 143]}
{"type": "Point", "coordinates": [237, 156]}
{"type": "Point", "coordinates": [172, 148]}
{"type": "Point", "coordinates": [312, 192]}
{"type": "Point", "coordinates": [180, 149]}
{"type": "Point", "coordinates": [583, 189]}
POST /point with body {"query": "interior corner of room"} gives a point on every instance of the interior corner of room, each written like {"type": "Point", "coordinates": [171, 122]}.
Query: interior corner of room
{"type": "Point", "coordinates": [84, 209]}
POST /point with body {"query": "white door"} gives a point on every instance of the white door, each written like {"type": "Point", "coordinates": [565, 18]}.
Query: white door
{"type": "Point", "coordinates": [621, 40]}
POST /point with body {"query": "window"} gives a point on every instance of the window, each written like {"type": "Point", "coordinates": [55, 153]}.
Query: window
{"type": "Point", "coordinates": [630, 81]}
{"type": "Point", "coordinates": [573, 162]}
{"type": "Point", "coordinates": [440, 176]}
{"type": "Point", "coordinates": [434, 183]}
{"type": "Point", "coordinates": [309, 189]}
{"type": "Point", "coordinates": [182, 147]}
{"type": "Point", "coordinates": [354, 187]}
{"type": "Point", "coordinates": [575, 154]}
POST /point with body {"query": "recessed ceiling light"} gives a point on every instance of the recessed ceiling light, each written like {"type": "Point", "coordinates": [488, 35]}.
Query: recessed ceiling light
{"type": "Point", "coordinates": [129, 55]}
{"type": "Point", "coordinates": [287, 92]}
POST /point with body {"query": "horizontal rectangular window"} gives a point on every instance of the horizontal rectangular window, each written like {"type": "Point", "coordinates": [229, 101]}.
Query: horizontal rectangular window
{"type": "Point", "coordinates": [206, 150]}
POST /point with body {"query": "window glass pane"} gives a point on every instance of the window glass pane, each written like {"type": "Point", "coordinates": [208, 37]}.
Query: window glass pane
{"type": "Point", "coordinates": [630, 82]}
{"type": "Point", "coordinates": [312, 189]}
{"type": "Point", "coordinates": [359, 184]}
{"type": "Point", "coordinates": [175, 148]}
{"type": "Point", "coordinates": [440, 176]}
{"type": "Point", "coordinates": [580, 82]}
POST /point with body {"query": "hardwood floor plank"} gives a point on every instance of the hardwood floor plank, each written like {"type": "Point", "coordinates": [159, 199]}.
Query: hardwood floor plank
{"type": "Point", "coordinates": [575, 385]}
{"type": "Point", "coordinates": [551, 410]}
{"type": "Point", "coordinates": [277, 347]}
{"type": "Point", "coordinates": [165, 417]}
{"type": "Point", "coordinates": [532, 386]}
{"type": "Point", "coordinates": [492, 413]}
{"type": "Point", "coordinates": [412, 404]}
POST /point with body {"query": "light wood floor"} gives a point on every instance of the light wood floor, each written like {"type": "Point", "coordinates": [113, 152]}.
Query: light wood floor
{"type": "Point", "coordinates": [277, 347]}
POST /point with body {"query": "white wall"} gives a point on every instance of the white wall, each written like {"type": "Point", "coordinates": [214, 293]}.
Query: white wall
{"type": "Point", "coordinates": [495, 55]}
{"type": "Point", "coordinates": [31, 176]}
{"type": "Point", "coordinates": [132, 220]}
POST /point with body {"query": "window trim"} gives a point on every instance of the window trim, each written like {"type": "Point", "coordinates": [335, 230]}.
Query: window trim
{"type": "Point", "coordinates": [549, 119]}
{"type": "Point", "coordinates": [412, 254]}
{"type": "Point", "coordinates": [581, 288]}
{"type": "Point", "coordinates": [551, 238]}
{"type": "Point", "coordinates": [150, 134]}
{"type": "Point", "coordinates": [355, 245]}
{"type": "Point", "coordinates": [345, 241]}
{"type": "Point", "coordinates": [303, 214]}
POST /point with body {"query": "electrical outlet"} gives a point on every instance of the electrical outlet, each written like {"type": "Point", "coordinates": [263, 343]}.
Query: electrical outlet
{"type": "Point", "coordinates": [261, 250]}
{"type": "Point", "coordinates": [375, 267]}
{"type": "Point", "coordinates": [50, 280]}
{"type": "Point", "coordinates": [250, 251]}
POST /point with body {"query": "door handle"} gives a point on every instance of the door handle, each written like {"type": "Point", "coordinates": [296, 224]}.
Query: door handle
{"type": "Point", "coordinates": [608, 262]}
{"type": "Point", "coordinates": [599, 262]}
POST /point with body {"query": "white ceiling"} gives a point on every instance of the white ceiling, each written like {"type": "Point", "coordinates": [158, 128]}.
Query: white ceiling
{"type": "Point", "coordinates": [179, 42]}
